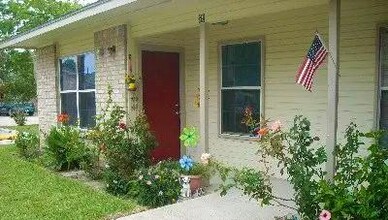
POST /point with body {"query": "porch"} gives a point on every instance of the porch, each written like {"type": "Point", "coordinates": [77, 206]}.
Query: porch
{"type": "Point", "coordinates": [285, 37]}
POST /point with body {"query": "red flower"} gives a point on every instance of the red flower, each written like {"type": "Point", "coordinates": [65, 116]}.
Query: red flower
{"type": "Point", "coordinates": [263, 131]}
{"type": "Point", "coordinates": [123, 126]}
{"type": "Point", "coordinates": [63, 118]}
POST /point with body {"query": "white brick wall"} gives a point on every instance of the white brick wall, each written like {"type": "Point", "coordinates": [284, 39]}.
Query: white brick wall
{"type": "Point", "coordinates": [46, 80]}
{"type": "Point", "coordinates": [111, 67]}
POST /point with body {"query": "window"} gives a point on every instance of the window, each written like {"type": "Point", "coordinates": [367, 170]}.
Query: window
{"type": "Point", "coordinates": [77, 85]}
{"type": "Point", "coordinates": [384, 81]}
{"type": "Point", "coordinates": [240, 84]}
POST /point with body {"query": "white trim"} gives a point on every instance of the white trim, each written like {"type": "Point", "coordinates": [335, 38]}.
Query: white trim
{"type": "Point", "coordinates": [260, 88]}
{"type": "Point", "coordinates": [242, 88]}
{"type": "Point", "coordinates": [332, 90]}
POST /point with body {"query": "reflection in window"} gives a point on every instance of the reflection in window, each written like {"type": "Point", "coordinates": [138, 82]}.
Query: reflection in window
{"type": "Point", "coordinates": [68, 74]}
{"type": "Point", "coordinates": [86, 71]}
{"type": "Point", "coordinates": [79, 103]}
{"type": "Point", "coordinates": [241, 84]}
{"type": "Point", "coordinates": [87, 109]}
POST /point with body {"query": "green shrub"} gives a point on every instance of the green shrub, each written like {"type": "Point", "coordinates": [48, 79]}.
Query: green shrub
{"type": "Point", "coordinates": [92, 163]}
{"type": "Point", "coordinates": [28, 146]}
{"type": "Point", "coordinates": [19, 117]}
{"type": "Point", "coordinates": [65, 147]}
{"type": "Point", "coordinates": [359, 189]}
{"type": "Point", "coordinates": [157, 185]}
{"type": "Point", "coordinates": [126, 147]}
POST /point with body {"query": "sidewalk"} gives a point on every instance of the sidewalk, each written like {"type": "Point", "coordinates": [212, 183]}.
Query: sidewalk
{"type": "Point", "coordinates": [8, 121]}
{"type": "Point", "coordinates": [233, 206]}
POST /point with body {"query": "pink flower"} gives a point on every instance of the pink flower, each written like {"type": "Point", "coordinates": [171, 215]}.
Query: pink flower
{"type": "Point", "coordinates": [325, 215]}
{"type": "Point", "coordinates": [205, 158]}
{"type": "Point", "coordinates": [276, 126]}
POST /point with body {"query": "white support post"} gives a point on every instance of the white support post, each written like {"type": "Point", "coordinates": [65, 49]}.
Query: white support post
{"type": "Point", "coordinates": [203, 86]}
{"type": "Point", "coordinates": [332, 71]}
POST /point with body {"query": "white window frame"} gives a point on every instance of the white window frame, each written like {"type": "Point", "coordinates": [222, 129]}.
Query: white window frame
{"type": "Point", "coordinates": [77, 91]}
{"type": "Point", "coordinates": [259, 88]}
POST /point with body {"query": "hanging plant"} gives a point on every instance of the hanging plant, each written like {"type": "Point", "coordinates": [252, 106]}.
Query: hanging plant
{"type": "Point", "coordinates": [131, 82]}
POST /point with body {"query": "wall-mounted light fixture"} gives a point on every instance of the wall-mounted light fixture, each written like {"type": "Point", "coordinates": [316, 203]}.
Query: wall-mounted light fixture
{"type": "Point", "coordinates": [222, 23]}
{"type": "Point", "coordinates": [112, 50]}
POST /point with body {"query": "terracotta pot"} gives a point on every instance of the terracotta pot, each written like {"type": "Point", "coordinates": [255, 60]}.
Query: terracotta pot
{"type": "Point", "coordinates": [195, 183]}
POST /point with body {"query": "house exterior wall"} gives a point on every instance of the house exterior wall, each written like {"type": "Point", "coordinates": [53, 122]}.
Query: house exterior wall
{"type": "Point", "coordinates": [111, 66]}
{"type": "Point", "coordinates": [47, 84]}
{"type": "Point", "coordinates": [286, 38]}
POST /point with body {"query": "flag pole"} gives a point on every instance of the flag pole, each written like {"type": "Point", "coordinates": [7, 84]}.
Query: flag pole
{"type": "Point", "coordinates": [332, 76]}
{"type": "Point", "coordinates": [328, 50]}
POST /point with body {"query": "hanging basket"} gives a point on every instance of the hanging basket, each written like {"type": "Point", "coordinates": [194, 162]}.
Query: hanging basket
{"type": "Point", "coordinates": [132, 86]}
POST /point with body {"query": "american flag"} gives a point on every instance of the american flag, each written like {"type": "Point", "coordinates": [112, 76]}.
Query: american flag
{"type": "Point", "coordinates": [316, 55]}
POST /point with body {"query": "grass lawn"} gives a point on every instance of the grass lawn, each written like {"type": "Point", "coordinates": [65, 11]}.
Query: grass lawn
{"type": "Point", "coordinates": [28, 191]}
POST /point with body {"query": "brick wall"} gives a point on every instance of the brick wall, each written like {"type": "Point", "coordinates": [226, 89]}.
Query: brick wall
{"type": "Point", "coordinates": [46, 80]}
{"type": "Point", "coordinates": [111, 66]}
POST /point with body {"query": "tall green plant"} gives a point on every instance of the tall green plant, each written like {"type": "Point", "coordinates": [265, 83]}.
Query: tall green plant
{"type": "Point", "coordinates": [65, 147]}
{"type": "Point", "coordinates": [359, 189]}
{"type": "Point", "coordinates": [126, 147]}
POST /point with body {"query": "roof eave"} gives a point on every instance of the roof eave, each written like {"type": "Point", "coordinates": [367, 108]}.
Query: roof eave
{"type": "Point", "coordinates": [83, 13]}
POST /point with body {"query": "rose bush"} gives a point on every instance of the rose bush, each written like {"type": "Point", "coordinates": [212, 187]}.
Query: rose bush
{"type": "Point", "coordinates": [359, 189]}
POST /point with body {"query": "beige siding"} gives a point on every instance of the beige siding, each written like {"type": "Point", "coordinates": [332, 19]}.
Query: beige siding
{"type": "Point", "coordinates": [76, 45]}
{"type": "Point", "coordinates": [286, 36]}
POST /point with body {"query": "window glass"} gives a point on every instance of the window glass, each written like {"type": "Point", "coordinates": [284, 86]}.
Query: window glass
{"type": "Point", "coordinates": [68, 74]}
{"type": "Point", "coordinates": [241, 80]}
{"type": "Point", "coordinates": [86, 71]}
{"type": "Point", "coordinates": [69, 106]}
{"type": "Point", "coordinates": [241, 64]}
{"type": "Point", "coordinates": [87, 109]}
{"type": "Point", "coordinates": [78, 102]}
{"type": "Point", "coordinates": [234, 103]}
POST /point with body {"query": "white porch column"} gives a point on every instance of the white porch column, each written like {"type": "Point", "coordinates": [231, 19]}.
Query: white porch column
{"type": "Point", "coordinates": [203, 86]}
{"type": "Point", "coordinates": [333, 64]}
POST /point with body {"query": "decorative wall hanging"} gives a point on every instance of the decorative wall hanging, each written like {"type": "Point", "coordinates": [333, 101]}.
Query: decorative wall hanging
{"type": "Point", "coordinates": [197, 98]}
{"type": "Point", "coordinates": [131, 82]}
{"type": "Point", "coordinates": [130, 77]}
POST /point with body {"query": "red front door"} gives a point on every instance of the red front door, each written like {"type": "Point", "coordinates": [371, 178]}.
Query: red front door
{"type": "Point", "coordinates": [161, 101]}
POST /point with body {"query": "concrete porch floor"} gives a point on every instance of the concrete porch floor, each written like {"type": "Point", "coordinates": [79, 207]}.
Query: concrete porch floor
{"type": "Point", "coordinates": [233, 206]}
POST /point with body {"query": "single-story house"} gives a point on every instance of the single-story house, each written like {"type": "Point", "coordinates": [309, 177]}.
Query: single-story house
{"type": "Point", "coordinates": [202, 62]}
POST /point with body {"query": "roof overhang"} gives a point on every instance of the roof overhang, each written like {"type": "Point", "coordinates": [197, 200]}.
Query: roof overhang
{"type": "Point", "coordinates": [96, 12]}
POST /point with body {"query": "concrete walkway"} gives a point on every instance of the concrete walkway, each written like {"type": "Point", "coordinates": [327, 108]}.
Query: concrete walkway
{"type": "Point", "coordinates": [8, 121]}
{"type": "Point", "coordinates": [233, 206]}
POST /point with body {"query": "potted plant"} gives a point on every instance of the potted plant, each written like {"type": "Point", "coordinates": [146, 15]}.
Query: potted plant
{"type": "Point", "coordinates": [131, 81]}
{"type": "Point", "coordinates": [191, 170]}
{"type": "Point", "coordinates": [195, 171]}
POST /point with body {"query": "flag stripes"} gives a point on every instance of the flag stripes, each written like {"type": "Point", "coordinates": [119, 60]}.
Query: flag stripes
{"type": "Point", "coordinates": [315, 56]}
